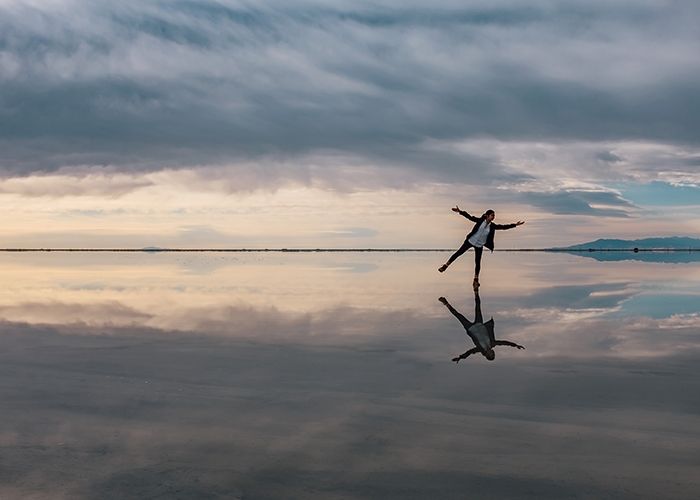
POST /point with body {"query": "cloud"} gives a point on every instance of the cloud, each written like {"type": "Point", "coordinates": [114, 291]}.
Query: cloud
{"type": "Point", "coordinates": [152, 86]}
{"type": "Point", "coordinates": [103, 236]}
{"type": "Point", "coordinates": [608, 157]}
{"type": "Point", "coordinates": [578, 202]}
{"type": "Point", "coordinates": [351, 232]}
{"type": "Point", "coordinates": [74, 182]}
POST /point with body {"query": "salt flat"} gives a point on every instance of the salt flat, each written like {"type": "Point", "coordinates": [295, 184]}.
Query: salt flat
{"type": "Point", "coordinates": [330, 376]}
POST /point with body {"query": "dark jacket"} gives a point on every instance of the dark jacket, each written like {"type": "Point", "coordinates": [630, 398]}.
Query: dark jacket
{"type": "Point", "coordinates": [492, 227]}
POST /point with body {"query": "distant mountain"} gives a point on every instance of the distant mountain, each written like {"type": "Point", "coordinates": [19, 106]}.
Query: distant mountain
{"type": "Point", "coordinates": [671, 242]}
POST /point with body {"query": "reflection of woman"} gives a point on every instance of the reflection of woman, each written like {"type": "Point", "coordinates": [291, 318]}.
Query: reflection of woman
{"type": "Point", "coordinates": [481, 236]}
{"type": "Point", "coordinates": [481, 333]}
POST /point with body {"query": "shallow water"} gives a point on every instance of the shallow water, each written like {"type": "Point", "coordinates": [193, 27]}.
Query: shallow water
{"type": "Point", "coordinates": [271, 375]}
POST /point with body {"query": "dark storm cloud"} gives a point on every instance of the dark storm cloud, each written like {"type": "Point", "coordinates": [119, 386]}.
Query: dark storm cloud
{"type": "Point", "coordinates": [147, 86]}
{"type": "Point", "coordinates": [580, 202]}
{"type": "Point", "coordinates": [608, 157]}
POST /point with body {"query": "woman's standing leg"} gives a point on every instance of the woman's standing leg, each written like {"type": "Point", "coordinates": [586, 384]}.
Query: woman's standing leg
{"type": "Point", "coordinates": [465, 246]}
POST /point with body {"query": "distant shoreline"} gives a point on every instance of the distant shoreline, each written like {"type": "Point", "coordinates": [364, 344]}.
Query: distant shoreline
{"type": "Point", "coordinates": [337, 250]}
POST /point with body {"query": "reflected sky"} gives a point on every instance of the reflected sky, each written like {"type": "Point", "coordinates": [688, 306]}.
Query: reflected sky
{"type": "Point", "coordinates": [331, 376]}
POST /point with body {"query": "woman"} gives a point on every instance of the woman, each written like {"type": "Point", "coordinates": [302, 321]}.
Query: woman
{"type": "Point", "coordinates": [480, 236]}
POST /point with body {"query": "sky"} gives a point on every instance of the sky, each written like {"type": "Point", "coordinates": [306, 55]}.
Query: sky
{"type": "Point", "coordinates": [309, 123]}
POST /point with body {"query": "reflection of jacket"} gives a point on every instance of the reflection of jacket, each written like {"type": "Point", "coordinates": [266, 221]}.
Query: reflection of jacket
{"type": "Point", "coordinates": [482, 335]}
{"type": "Point", "coordinates": [492, 228]}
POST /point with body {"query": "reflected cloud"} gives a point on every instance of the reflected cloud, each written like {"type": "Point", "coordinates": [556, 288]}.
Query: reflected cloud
{"type": "Point", "coordinates": [600, 296]}
{"type": "Point", "coordinates": [61, 313]}
{"type": "Point", "coordinates": [564, 308]}
{"type": "Point", "coordinates": [594, 337]}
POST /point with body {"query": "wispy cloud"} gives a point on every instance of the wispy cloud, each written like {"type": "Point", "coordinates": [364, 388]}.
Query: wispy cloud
{"type": "Point", "coordinates": [351, 232]}
{"type": "Point", "coordinates": [74, 182]}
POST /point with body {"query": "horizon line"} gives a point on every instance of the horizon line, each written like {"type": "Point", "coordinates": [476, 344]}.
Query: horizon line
{"type": "Point", "coordinates": [309, 250]}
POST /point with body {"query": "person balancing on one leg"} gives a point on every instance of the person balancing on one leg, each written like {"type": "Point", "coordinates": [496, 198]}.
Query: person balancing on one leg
{"type": "Point", "coordinates": [480, 236]}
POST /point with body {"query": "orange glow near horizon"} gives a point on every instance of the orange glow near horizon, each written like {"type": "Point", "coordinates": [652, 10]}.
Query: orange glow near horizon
{"type": "Point", "coordinates": [169, 215]}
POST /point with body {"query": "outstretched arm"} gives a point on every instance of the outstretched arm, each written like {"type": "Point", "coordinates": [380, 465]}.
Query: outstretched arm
{"type": "Point", "coordinates": [508, 226]}
{"type": "Point", "coordinates": [465, 355]}
{"type": "Point", "coordinates": [511, 344]}
{"type": "Point", "coordinates": [465, 214]}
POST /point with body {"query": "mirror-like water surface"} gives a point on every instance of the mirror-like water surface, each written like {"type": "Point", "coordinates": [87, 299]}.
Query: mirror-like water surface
{"type": "Point", "coordinates": [334, 376]}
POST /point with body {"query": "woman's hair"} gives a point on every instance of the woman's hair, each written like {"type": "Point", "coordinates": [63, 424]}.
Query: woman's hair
{"type": "Point", "coordinates": [488, 212]}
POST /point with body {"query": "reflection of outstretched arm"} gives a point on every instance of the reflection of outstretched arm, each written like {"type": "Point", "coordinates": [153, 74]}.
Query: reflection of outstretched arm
{"type": "Point", "coordinates": [511, 344]}
{"type": "Point", "coordinates": [465, 355]}
{"type": "Point", "coordinates": [465, 322]}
